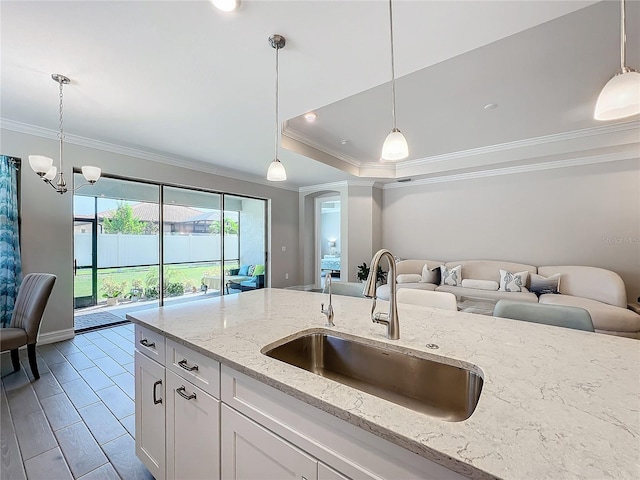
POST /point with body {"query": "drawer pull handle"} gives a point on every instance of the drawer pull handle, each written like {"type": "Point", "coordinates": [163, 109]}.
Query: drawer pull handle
{"type": "Point", "coordinates": [180, 391]}
{"type": "Point", "coordinates": [183, 363]}
{"type": "Point", "coordinates": [156, 400]}
{"type": "Point", "coordinates": [148, 344]}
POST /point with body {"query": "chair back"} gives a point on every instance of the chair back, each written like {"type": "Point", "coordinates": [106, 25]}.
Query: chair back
{"type": "Point", "coordinates": [427, 298]}
{"type": "Point", "coordinates": [558, 315]}
{"type": "Point", "coordinates": [33, 295]}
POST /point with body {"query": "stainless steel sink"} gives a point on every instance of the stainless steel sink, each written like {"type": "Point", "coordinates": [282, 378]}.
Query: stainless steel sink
{"type": "Point", "coordinates": [428, 386]}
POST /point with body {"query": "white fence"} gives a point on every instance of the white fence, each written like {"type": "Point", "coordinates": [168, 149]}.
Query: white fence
{"type": "Point", "coordinates": [121, 250]}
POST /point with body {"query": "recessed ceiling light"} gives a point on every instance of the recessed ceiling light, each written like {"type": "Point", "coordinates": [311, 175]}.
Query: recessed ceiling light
{"type": "Point", "coordinates": [311, 116]}
{"type": "Point", "coordinates": [344, 142]}
{"type": "Point", "coordinates": [490, 106]}
{"type": "Point", "coordinates": [226, 5]}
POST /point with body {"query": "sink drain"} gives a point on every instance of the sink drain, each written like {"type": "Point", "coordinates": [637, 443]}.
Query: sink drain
{"type": "Point", "coordinates": [432, 346]}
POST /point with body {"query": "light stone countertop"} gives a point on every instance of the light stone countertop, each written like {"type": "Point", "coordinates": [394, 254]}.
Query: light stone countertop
{"type": "Point", "coordinates": [556, 403]}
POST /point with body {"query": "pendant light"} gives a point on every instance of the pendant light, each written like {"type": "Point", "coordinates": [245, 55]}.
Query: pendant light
{"type": "Point", "coordinates": [43, 166]}
{"type": "Point", "coordinates": [395, 145]}
{"type": "Point", "coordinates": [276, 172]}
{"type": "Point", "coordinates": [620, 97]}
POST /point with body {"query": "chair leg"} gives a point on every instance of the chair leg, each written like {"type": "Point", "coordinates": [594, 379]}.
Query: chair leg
{"type": "Point", "coordinates": [15, 360]}
{"type": "Point", "coordinates": [31, 353]}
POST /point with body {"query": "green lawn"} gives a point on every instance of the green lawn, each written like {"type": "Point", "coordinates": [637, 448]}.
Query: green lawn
{"type": "Point", "coordinates": [188, 275]}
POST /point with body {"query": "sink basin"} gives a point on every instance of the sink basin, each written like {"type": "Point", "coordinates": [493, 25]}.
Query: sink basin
{"type": "Point", "coordinates": [427, 386]}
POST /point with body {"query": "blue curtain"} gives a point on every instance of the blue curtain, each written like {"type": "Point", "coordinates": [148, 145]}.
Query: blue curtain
{"type": "Point", "coordinates": [10, 265]}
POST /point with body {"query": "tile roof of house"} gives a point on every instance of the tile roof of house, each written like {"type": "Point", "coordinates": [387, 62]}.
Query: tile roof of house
{"type": "Point", "coordinates": [149, 212]}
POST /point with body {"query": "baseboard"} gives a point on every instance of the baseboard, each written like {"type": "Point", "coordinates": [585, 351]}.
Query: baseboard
{"type": "Point", "coordinates": [57, 336]}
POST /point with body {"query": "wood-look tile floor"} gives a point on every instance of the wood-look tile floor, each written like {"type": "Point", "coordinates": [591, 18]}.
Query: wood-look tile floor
{"type": "Point", "coordinates": [77, 420]}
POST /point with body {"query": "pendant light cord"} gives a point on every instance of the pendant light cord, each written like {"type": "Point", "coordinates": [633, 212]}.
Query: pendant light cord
{"type": "Point", "coordinates": [277, 123]}
{"type": "Point", "coordinates": [623, 39]}
{"type": "Point", "coordinates": [61, 134]}
{"type": "Point", "coordinates": [393, 70]}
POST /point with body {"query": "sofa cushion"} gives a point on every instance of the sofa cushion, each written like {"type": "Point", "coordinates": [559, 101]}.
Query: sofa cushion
{"type": "Point", "coordinates": [590, 282]}
{"type": "Point", "coordinates": [244, 270]}
{"type": "Point", "coordinates": [382, 291]}
{"type": "Point", "coordinates": [259, 270]}
{"type": "Point", "coordinates": [489, 269]}
{"type": "Point", "coordinates": [513, 282]}
{"type": "Point", "coordinates": [480, 284]}
{"type": "Point", "coordinates": [451, 276]}
{"type": "Point", "coordinates": [493, 295]}
{"type": "Point", "coordinates": [606, 318]}
{"type": "Point", "coordinates": [409, 278]}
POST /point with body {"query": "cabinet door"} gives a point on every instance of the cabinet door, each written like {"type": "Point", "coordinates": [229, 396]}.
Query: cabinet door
{"type": "Point", "coordinates": [193, 431]}
{"type": "Point", "coordinates": [150, 414]}
{"type": "Point", "coordinates": [250, 451]}
{"type": "Point", "coordinates": [327, 473]}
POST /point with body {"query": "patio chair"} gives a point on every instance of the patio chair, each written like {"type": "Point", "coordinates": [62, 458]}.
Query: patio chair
{"type": "Point", "coordinates": [33, 296]}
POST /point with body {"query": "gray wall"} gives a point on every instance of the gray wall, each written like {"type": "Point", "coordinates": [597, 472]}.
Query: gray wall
{"type": "Point", "coordinates": [587, 215]}
{"type": "Point", "coordinates": [47, 226]}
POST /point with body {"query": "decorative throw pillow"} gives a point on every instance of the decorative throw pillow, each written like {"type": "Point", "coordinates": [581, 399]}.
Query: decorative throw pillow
{"type": "Point", "coordinates": [259, 270]}
{"type": "Point", "coordinates": [541, 285]}
{"type": "Point", "coordinates": [408, 278]}
{"type": "Point", "coordinates": [251, 270]}
{"type": "Point", "coordinates": [430, 276]}
{"type": "Point", "coordinates": [451, 277]}
{"type": "Point", "coordinates": [513, 282]}
{"type": "Point", "coordinates": [244, 270]}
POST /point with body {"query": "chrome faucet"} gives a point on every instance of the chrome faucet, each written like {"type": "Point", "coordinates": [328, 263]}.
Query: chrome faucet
{"type": "Point", "coordinates": [389, 319]}
{"type": "Point", "coordinates": [329, 310]}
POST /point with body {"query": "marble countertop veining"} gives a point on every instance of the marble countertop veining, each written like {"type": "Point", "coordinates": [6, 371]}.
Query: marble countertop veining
{"type": "Point", "coordinates": [556, 403]}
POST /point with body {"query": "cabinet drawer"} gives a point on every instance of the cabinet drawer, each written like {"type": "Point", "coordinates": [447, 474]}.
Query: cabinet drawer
{"type": "Point", "coordinates": [150, 343]}
{"type": "Point", "coordinates": [194, 367]}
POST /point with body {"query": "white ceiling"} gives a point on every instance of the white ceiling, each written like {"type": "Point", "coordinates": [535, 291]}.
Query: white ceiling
{"type": "Point", "coordinates": [183, 79]}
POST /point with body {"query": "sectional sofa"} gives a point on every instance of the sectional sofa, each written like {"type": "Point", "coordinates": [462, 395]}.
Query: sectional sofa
{"type": "Point", "coordinates": [601, 292]}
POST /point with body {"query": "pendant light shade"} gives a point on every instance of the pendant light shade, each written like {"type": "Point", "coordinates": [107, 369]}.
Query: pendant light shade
{"type": "Point", "coordinates": [276, 171]}
{"type": "Point", "coordinates": [395, 146]}
{"type": "Point", "coordinates": [620, 97]}
{"type": "Point", "coordinates": [40, 164]}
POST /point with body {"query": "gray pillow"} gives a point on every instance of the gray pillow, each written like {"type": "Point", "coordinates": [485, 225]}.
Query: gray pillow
{"type": "Point", "coordinates": [541, 285]}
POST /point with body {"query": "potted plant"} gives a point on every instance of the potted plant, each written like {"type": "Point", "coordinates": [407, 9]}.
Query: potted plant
{"type": "Point", "coordinates": [136, 290]}
{"type": "Point", "coordinates": [363, 273]}
{"type": "Point", "coordinates": [112, 290]}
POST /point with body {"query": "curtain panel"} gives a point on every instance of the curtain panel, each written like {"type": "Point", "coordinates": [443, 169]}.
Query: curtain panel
{"type": "Point", "coordinates": [10, 264]}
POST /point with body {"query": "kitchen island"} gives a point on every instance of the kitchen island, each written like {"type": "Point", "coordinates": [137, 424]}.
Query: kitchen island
{"type": "Point", "coordinates": [556, 403]}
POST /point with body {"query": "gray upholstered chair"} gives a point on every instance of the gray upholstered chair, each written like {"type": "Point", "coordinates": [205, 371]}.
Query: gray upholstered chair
{"type": "Point", "coordinates": [558, 315]}
{"type": "Point", "coordinates": [33, 295]}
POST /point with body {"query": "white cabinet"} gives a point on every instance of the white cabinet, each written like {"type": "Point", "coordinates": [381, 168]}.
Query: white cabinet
{"type": "Point", "coordinates": [193, 431]}
{"type": "Point", "coordinates": [251, 452]}
{"type": "Point", "coordinates": [150, 414]}
{"type": "Point", "coordinates": [327, 473]}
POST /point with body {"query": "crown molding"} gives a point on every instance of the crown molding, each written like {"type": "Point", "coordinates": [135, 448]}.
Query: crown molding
{"type": "Point", "coordinates": [299, 137]}
{"type": "Point", "coordinates": [529, 142]}
{"type": "Point", "coordinates": [491, 149]}
{"type": "Point", "coordinates": [341, 184]}
{"type": "Point", "coordinates": [573, 162]}
{"type": "Point", "coordinates": [176, 161]}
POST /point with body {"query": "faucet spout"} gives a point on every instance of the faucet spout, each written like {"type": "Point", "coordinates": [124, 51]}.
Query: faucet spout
{"type": "Point", "coordinates": [390, 319]}
{"type": "Point", "coordinates": [329, 310]}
